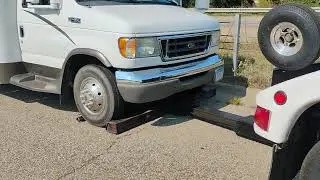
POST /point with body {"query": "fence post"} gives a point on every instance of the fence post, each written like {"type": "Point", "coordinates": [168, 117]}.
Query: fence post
{"type": "Point", "coordinates": [236, 42]}
{"type": "Point", "coordinates": [202, 5]}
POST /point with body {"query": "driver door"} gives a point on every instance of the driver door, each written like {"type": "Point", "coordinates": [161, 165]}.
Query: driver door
{"type": "Point", "coordinates": [42, 40]}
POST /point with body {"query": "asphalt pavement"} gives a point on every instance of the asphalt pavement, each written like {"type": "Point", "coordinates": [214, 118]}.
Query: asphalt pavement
{"type": "Point", "coordinates": [40, 139]}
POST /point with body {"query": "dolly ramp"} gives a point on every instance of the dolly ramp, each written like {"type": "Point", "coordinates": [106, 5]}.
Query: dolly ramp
{"type": "Point", "coordinates": [219, 110]}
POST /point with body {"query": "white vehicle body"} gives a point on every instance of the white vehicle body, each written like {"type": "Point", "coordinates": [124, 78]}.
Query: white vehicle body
{"type": "Point", "coordinates": [301, 92]}
{"type": "Point", "coordinates": [38, 43]}
{"type": "Point", "coordinates": [288, 112]}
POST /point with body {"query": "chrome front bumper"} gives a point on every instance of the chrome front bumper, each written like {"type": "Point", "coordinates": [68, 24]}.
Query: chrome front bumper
{"type": "Point", "coordinates": [157, 83]}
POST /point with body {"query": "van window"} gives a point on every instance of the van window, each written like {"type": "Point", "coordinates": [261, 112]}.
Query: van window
{"type": "Point", "coordinates": [106, 2]}
{"type": "Point", "coordinates": [42, 2]}
{"type": "Point", "coordinates": [45, 2]}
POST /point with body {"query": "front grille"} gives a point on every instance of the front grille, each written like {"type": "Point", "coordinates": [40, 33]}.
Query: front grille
{"type": "Point", "coordinates": [177, 48]}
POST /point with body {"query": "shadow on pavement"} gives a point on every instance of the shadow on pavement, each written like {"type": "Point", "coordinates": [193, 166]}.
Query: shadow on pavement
{"type": "Point", "coordinates": [27, 96]}
{"type": "Point", "coordinates": [174, 110]}
{"type": "Point", "coordinates": [170, 120]}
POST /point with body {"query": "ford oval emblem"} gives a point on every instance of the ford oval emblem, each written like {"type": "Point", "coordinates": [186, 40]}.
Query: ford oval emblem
{"type": "Point", "coordinates": [191, 45]}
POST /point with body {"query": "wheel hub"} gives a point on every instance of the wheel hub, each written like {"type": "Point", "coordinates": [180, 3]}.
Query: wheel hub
{"type": "Point", "coordinates": [289, 37]}
{"type": "Point", "coordinates": [92, 95]}
{"type": "Point", "coordinates": [286, 39]}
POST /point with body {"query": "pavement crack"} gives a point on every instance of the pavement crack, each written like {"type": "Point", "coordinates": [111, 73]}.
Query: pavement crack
{"type": "Point", "coordinates": [67, 174]}
{"type": "Point", "coordinates": [132, 133]}
{"type": "Point", "coordinates": [88, 162]}
{"type": "Point", "coordinates": [91, 160]}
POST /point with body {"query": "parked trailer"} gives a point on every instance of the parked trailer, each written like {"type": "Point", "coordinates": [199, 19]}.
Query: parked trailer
{"type": "Point", "coordinates": [288, 112]}
{"type": "Point", "coordinates": [107, 53]}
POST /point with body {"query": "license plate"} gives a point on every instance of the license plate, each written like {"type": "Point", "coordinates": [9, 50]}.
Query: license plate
{"type": "Point", "coordinates": [219, 73]}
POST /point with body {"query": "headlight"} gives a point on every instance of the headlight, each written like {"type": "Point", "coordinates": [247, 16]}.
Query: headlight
{"type": "Point", "coordinates": [139, 47]}
{"type": "Point", "coordinates": [215, 38]}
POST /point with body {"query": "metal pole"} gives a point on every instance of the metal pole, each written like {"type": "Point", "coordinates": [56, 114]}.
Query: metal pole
{"type": "Point", "coordinates": [202, 5]}
{"type": "Point", "coordinates": [236, 43]}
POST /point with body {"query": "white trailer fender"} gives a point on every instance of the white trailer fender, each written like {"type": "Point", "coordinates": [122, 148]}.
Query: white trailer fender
{"type": "Point", "coordinates": [302, 93]}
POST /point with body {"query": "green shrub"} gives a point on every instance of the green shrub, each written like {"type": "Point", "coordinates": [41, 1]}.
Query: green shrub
{"type": "Point", "coordinates": [264, 3]}
{"type": "Point", "coordinates": [235, 101]}
{"type": "Point", "coordinates": [311, 3]}
{"type": "Point", "coordinates": [270, 3]}
{"type": "Point", "coordinates": [249, 3]}
{"type": "Point", "coordinates": [220, 3]}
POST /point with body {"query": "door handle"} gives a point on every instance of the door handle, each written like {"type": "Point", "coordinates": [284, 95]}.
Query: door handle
{"type": "Point", "coordinates": [21, 31]}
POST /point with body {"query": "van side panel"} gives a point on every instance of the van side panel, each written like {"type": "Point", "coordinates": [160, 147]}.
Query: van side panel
{"type": "Point", "coordinates": [45, 40]}
{"type": "Point", "coordinates": [10, 53]}
{"type": "Point", "coordinates": [9, 44]}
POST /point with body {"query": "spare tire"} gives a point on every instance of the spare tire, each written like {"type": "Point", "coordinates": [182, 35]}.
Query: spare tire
{"type": "Point", "coordinates": [289, 36]}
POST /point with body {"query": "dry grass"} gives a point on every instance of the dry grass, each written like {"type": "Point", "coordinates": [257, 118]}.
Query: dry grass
{"type": "Point", "coordinates": [253, 69]}
{"type": "Point", "coordinates": [235, 101]}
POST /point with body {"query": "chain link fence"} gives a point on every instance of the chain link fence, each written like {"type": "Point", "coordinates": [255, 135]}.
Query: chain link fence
{"type": "Point", "coordinates": [244, 63]}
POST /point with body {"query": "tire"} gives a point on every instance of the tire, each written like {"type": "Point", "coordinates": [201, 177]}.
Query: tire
{"type": "Point", "coordinates": [310, 168]}
{"type": "Point", "coordinates": [289, 36]}
{"type": "Point", "coordinates": [96, 95]}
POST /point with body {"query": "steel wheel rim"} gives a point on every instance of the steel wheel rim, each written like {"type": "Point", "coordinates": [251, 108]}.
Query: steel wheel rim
{"type": "Point", "coordinates": [92, 96]}
{"type": "Point", "coordinates": [286, 39]}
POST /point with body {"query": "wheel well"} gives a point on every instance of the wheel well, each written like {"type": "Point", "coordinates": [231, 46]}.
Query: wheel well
{"type": "Point", "coordinates": [307, 126]}
{"type": "Point", "coordinates": [303, 136]}
{"type": "Point", "coordinates": [73, 65]}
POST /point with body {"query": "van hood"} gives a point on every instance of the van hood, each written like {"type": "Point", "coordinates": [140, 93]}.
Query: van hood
{"type": "Point", "coordinates": [145, 19]}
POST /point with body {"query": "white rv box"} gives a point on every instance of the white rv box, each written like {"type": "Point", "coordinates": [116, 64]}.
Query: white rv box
{"type": "Point", "coordinates": [10, 52]}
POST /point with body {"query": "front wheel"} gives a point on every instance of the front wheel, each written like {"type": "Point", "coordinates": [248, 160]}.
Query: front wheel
{"type": "Point", "coordinates": [96, 95]}
{"type": "Point", "coordinates": [310, 169]}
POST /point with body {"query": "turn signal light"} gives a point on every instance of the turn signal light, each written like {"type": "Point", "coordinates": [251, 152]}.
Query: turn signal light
{"type": "Point", "coordinates": [127, 47]}
{"type": "Point", "coordinates": [262, 117]}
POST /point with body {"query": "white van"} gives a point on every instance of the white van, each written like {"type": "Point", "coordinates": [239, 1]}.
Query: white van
{"type": "Point", "coordinates": [107, 52]}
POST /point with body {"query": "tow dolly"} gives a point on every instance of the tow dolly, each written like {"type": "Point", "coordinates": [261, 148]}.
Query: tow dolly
{"type": "Point", "coordinates": [288, 112]}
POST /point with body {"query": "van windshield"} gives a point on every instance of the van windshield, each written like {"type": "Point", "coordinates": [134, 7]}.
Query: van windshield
{"type": "Point", "coordinates": [117, 2]}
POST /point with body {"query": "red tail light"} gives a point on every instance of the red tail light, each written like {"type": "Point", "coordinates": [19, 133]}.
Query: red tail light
{"type": "Point", "coordinates": [280, 98]}
{"type": "Point", "coordinates": [261, 118]}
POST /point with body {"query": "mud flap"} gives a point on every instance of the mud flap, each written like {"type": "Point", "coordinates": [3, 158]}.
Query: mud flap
{"type": "Point", "coordinates": [283, 164]}
{"type": "Point", "coordinates": [277, 164]}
